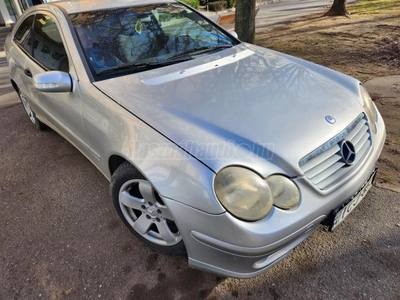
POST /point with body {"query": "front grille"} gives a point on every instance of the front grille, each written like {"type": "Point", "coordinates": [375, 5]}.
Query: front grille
{"type": "Point", "coordinates": [325, 166]}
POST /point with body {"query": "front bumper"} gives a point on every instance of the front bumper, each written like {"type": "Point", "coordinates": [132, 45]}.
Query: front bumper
{"type": "Point", "coordinates": [223, 245]}
{"type": "Point", "coordinates": [230, 247]}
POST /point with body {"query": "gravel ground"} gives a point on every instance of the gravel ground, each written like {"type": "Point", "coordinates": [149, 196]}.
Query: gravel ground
{"type": "Point", "coordinates": [61, 239]}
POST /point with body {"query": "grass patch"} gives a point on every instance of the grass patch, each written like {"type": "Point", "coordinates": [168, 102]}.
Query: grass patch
{"type": "Point", "coordinates": [369, 7]}
{"type": "Point", "coordinates": [386, 179]}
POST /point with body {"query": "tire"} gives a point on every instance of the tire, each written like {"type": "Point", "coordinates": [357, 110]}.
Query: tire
{"type": "Point", "coordinates": [31, 114]}
{"type": "Point", "coordinates": [142, 210]}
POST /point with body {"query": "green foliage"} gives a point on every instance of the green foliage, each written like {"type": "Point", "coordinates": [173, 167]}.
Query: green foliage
{"type": "Point", "coordinates": [368, 7]}
{"type": "Point", "coordinates": [213, 5]}
{"type": "Point", "coordinates": [231, 3]}
{"type": "Point", "coordinates": [193, 3]}
{"type": "Point", "coordinates": [217, 5]}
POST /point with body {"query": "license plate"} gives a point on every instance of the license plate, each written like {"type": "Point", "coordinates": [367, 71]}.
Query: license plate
{"type": "Point", "coordinates": [341, 212]}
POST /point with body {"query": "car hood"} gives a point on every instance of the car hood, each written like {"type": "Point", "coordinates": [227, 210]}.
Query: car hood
{"type": "Point", "coordinates": [242, 106]}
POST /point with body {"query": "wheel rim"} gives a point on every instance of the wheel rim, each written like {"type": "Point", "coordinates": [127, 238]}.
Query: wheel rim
{"type": "Point", "coordinates": [28, 109]}
{"type": "Point", "coordinates": [145, 212]}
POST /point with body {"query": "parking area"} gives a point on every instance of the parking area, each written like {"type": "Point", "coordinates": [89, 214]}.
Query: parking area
{"type": "Point", "coordinates": [60, 238]}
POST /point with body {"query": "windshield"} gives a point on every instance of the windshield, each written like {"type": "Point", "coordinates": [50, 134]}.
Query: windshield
{"type": "Point", "coordinates": [135, 39]}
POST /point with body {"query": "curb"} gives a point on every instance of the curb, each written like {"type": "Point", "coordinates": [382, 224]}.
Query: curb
{"type": "Point", "coordinates": [5, 29]}
{"type": "Point", "coordinates": [208, 13]}
{"type": "Point", "coordinates": [9, 99]}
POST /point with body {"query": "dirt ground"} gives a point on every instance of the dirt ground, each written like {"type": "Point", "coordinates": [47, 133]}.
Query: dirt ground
{"type": "Point", "coordinates": [364, 45]}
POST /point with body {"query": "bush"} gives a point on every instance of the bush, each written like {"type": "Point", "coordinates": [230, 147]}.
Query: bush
{"type": "Point", "coordinates": [193, 3]}
{"type": "Point", "coordinates": [218, 5]}
{"type": "Point", "coordinates": [231, 3]}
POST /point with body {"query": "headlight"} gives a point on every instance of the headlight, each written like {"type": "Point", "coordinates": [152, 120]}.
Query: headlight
{"type": "Point", "coordinates": [285, 193]}
{"type": "Point", "coordinates": [249, 197]}
{"type": "Point", "coordinates": [369, 108]}
{"type": "Point", "coordinates": [243, 193]}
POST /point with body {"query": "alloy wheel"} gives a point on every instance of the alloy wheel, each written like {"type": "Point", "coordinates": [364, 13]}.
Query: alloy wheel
{"type": "Point", "coordinates": [28, 109]}
{"type": "Point", "coordinates": [147, 214]}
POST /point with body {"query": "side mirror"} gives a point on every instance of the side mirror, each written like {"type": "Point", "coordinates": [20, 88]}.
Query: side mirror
{"type": "Point", "coordinates": [234, 34]}
{"type": "Point", "coordinates": [53, 82]}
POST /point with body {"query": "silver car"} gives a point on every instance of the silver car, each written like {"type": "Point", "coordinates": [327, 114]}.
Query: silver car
{"type": "Point", "coordinates": [231, 153]}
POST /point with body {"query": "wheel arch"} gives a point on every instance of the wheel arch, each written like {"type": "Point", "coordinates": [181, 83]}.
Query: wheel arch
{"type": "Point", "coordinates": [14, 85]}
{"type": "Point", "coordinates": [115, 160]}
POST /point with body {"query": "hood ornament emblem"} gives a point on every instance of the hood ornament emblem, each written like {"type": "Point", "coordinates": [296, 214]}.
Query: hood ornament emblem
{"type": "Point", "coordinates": [348, 152]}
{"type": "Point", "coordinates": [330, 119]}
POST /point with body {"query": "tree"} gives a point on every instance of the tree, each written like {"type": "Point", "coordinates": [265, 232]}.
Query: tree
{"type": "Point", "coordinates": [338, 8]}
{"type": "Point", "coordinates": [245, 20]}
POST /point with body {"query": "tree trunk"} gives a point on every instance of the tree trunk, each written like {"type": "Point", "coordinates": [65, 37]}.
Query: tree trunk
{"type": "Point", "coordinates": [245, 20]}
{"type": "Point", "coordinates": [338, 8]}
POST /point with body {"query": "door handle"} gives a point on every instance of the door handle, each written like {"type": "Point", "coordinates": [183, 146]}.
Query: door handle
{"type": "Point", "coordinates": [28, 72]}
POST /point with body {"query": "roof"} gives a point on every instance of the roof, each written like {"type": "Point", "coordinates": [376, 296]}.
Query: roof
{"type": "Point", "coordinates": [88, 5]}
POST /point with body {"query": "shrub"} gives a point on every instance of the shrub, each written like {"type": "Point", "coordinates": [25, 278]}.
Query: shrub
{"type": "Point", "coordinates": [218, 5]}
{"type": "Point", "coordinates": [193, 3]}
{"type": "Point", "coordinates": [231, 3]}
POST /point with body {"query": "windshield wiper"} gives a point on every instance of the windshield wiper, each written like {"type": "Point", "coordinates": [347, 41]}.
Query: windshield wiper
{"type": "Point", "coordinates": [199, 50]}
{"type": "Point", "coordinates": [141, 66]}
{"type": "Point", "coordinates": [180, 57]}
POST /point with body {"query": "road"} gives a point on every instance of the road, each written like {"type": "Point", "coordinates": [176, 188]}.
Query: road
{"type": "Point", "coordinates": [283, 11]}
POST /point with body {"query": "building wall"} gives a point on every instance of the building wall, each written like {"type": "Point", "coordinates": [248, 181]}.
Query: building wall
{"type": "Point", "coordinates": [4, 15]}
{"type": "Point", "coordinates": [2, 23]}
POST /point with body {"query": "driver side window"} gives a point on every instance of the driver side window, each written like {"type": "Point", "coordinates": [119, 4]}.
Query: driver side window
{"type": "Point", "coordinates": [23, 36]}
{"type": "Point", "coordinates": [48, 47]}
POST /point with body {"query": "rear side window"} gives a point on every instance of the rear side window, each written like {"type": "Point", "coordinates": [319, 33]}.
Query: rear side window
{"type": "Point", "coordinates": [48, 47]}
{"type": "Point", "coordinates": [23, 36]}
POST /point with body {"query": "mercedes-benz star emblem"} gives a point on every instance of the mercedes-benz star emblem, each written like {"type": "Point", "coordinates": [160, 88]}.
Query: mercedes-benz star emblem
{"type": "Point", "coordinates": [330, 119]}
{"type": "Point", "coordinates": [348, 152]}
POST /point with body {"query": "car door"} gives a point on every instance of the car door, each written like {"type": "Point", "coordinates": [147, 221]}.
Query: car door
{"type": "Point", "coordinates": [62, 110]}
{"type": "Point", "coordinates": [19, 55]}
